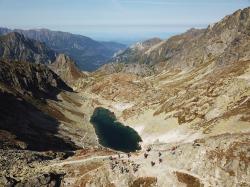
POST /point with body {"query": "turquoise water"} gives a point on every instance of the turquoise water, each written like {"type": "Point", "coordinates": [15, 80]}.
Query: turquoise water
{"type": "Point", "coordinates": [114, 134]}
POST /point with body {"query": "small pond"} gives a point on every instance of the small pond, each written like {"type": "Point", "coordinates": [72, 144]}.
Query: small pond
{"type": "Point", "coordinates": [114, 134]}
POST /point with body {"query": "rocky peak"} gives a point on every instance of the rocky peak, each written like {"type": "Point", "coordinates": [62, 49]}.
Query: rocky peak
{"type": "Point", "coordinates": [64, 59]}
{"type": "Point", "coordinates": [66, 68]}
{"type": "Point", "coordinates": [145, 45]}
{"type": "Point", "coordinates": [239, 22]}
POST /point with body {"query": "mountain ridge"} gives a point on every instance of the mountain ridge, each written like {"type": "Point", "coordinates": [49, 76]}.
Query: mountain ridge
{"type": "Point", "coordinates": [86, 52]}
{"type": "Point", "coordinates": [196, 46]}
{"type": "Point", "coordinates": [14, 46]}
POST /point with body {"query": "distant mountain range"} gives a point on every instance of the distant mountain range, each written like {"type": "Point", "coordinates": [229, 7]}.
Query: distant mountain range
{"type": "Point", "coordinates": [88, 54]}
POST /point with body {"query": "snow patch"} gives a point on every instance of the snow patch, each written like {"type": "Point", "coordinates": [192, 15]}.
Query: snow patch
{"type": "Point", "coordinates": [122, 106]}
{"type": "Point", "coordinates": [139, 129]}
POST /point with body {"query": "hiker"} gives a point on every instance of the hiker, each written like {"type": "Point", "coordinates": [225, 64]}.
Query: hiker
{"type": "Point", "coordinates": [174, 148]}
{"type": "Point", "coordinates": [180, 152]}
{"type": "Point", "coordinates": [152, 163]}
{"type": "Point", "coordinates": [113, 166]}
{"type": "Point", "coordinates": [159, 154]}
{"type": "Point", "coordinates": [135, 169]}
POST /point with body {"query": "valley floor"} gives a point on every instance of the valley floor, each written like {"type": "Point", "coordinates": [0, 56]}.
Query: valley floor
{"type": "Point", "coordinates": [196, 125]}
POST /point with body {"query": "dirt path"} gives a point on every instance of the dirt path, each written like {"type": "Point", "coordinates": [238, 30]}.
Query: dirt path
{"type": "Point", "coordinates": [66, 162]}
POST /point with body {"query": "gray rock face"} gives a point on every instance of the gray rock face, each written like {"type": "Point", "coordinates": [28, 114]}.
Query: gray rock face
{"type": "Point", "coordinates": [66, 68]}
{"type": "Point", "coordinates": [15, 47]}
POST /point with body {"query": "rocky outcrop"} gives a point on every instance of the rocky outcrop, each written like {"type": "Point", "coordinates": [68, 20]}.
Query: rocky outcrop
{"type": "Point", "coordinates": [21, 168]}
{"type": "Point", "coordinates": [66, 69]}
{"type": "Point", "coordinates": [15, 47]}
{"type": "Point", "coordinates": [43, 180]}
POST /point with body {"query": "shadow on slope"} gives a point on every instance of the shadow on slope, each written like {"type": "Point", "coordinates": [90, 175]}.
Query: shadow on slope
{"type": "Point", "coordinates": [23, 126]}
{"type": "Point", "coordinates": [35, 80]}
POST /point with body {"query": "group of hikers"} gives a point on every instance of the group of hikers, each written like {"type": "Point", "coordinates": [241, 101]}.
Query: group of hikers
{"type": "Point", "coordinates": [152, 162]}
{"type": "Point", "coordinates": [124, 166]}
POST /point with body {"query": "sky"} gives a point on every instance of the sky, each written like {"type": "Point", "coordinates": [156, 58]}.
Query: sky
{"type": "Point", "coordinates": [122, 20]}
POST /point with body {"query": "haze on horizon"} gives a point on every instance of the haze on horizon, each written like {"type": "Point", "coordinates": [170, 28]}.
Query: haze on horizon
{"type": "Point", "coordinates": [117, 20]}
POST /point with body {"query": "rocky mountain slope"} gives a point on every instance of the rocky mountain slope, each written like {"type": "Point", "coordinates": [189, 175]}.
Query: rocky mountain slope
{"type": "Point", "coordinates": [23, 85]}
{"type": "Point", "coordinates": [15, 47]}
{"type": "Point", "coordinates": [134, 53]}
{"type": "Point", "coordinates": [132, 60]}
{"type": "Point", "coordinates": [41, 119]}
{"type": "Point", "coordinates": [224, 42]}
{"type": "Point", "coordinates": [87, 53]}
